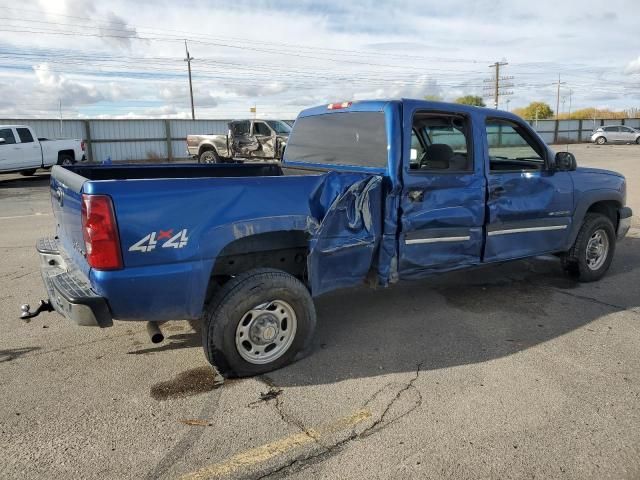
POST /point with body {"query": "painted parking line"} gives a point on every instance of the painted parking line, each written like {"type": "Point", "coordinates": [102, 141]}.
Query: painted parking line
{"type": "Point", "coordinates": [37, 214]}
{"type": "Point", "coordinates": [279, 447]}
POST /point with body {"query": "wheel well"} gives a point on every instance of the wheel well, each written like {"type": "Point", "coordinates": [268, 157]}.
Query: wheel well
{"type": "Point", "coordinates": [608, 208]}
{"type": "Point", "coordinates": [283, 250]}
{"type": "Point", "coordinates": [64, 153]}
{"type": "Point", "coordinates": [205, 148]}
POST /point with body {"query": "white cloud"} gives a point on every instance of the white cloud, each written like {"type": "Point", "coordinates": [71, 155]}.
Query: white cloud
{"type": "Point", "coordinates": [633, 66]}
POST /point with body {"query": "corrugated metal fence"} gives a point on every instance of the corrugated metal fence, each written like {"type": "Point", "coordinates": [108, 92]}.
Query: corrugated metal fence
{"type": "Point", "coordinates": [165, 139]}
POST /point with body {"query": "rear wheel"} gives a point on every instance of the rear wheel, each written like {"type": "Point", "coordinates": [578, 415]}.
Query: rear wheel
{"type": "Point", "coordinates": [592, 253]}
{"type": "Point", "coordinates": [601, 140]}
{"type": "Point", "coordinates": [209, 156]}
{"type": "Point", "coordinates": [638, 140]}
{"type": "Point", "coordinates": [28, 173]}
{"type": "Point", "coordinates": [257, 322]}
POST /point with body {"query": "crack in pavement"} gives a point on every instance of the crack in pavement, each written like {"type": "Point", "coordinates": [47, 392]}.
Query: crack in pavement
{"type": "Point", "coordinates": [595, 300]}
{"type": "Point", "coordinates": [300, 462]}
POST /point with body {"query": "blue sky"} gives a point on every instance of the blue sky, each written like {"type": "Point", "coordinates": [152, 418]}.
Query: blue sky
{"type": "Point", "coordinates": [125, 59]}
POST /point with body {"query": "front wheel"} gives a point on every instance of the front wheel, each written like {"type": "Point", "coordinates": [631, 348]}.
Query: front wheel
{"type": "Point", "coordinates": [28, 173]}
{"type": "Point", "coordinates": [257, 322]}
{"type": "Point", "coordinates": [638, 140]}
{"type": "Point", "coordinates": [592, 253]}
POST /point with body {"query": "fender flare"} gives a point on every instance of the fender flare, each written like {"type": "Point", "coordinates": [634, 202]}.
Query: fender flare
{"type": "Point", "coordinates": [585, 202]}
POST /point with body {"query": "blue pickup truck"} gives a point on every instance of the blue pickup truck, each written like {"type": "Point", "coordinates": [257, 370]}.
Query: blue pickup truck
{"type": "Point", "coordinates": [368, 192]}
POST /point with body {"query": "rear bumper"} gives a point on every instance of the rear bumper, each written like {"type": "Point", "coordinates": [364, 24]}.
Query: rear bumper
{"type": "Point", "coordinates": [69, 292]}
{"type": "Point", "coordinates": [624, 222]}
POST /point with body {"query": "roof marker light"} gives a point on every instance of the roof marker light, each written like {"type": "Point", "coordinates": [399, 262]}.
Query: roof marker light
{"type": "Point", "coordinates": [338, 106]}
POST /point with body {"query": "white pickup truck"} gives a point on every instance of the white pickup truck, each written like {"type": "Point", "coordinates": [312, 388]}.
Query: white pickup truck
{"type": "Point", "coordinates": [21, 151]}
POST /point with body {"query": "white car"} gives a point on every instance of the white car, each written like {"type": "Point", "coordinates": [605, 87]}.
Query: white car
{"type": "Point", "coordinates": [21, 151]}
{"type": "Point", "coordinates": [615, 134]}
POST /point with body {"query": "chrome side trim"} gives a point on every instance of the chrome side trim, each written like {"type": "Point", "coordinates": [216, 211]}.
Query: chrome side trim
{"type": "Point", "coordinates": [437, 240]}
{"type": "Point", "coordinates": [525, 230]}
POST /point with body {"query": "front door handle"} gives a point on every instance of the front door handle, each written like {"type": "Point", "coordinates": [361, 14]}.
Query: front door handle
{"type": "Point", "coordinates": [416, 195]}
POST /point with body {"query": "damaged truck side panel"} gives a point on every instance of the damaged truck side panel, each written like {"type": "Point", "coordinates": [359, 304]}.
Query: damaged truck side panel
{"type": "Point", "coordinates": [373, 191]}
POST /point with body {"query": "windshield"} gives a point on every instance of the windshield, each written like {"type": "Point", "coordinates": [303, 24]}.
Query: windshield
{"type": "Point", "coordinates": [353, 138]}
{"type": "Point", "coordinates": [279, 127]}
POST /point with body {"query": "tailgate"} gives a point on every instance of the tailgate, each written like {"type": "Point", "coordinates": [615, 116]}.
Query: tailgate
{"type": "Point", "coordinates": [66, 192]}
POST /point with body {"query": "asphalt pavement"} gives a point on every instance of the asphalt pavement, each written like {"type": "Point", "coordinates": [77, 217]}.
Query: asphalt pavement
{"type": "Point", "coordinates": [508, 371]}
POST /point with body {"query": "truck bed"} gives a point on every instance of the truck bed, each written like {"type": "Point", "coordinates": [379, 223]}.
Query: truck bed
{"type": "Point", "coordinates": [182, 170]}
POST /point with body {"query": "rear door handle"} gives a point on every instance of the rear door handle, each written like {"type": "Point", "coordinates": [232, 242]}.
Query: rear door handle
{"type": "Point", "coordinates": [497, 191]}
{"type": "Point", "coordinates": [416, 195]}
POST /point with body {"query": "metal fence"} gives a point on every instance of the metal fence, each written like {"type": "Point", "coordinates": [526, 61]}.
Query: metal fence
{"type": "Point", "coordinates": [122, 140]}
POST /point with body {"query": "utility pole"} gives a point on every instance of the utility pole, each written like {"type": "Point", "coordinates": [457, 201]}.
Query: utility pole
{"type": "Point", "coordinates": [499, 84]}
{"type": "Point", "coordinates": [570, 93]}
{"type": "Point", "coordinates": [60, 112]}
{"type": "Point", "coordinates": [508, 102]}
{"type": "Point", "coordinates": [558, 97]}
{"type": "Point", "coordinates": [188, 60]}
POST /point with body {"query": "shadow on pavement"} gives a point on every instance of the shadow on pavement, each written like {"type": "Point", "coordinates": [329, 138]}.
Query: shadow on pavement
{"type": "Point", "coordinates": [449, 319]}
{"type": "Point", "coordinates": [456, 319]}
{"type": "Point", "coordinates": [40, 180]}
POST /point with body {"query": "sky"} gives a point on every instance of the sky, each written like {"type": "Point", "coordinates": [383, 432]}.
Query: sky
{"type": "Point", "coordinates": [125, 59]}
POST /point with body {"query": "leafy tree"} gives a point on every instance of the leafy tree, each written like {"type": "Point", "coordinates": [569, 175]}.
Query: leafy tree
{"type": "Point", "coordinates": [433, 98]}
{"type": "Point", "coordinates": [474, 100]}
{"type": "Point", "coordinates": [529, 112]}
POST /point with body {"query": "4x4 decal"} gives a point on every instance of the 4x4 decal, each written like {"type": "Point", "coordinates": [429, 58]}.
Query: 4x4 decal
{"type": "Point", "coordinates": [150, 241]}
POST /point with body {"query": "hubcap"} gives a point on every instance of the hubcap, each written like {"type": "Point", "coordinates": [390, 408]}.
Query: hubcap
{"type": "Point", "coordinates": [266, 332]}
{"type": "Point", "coordinates": [597, 249]}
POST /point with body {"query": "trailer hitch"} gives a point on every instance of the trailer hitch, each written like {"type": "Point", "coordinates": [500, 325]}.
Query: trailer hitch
{"type": "Point", "coordinates": [27, 315]}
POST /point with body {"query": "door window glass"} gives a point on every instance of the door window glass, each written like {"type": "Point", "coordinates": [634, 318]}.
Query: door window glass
{"type": "Point", "coordinates": [440, 142]}
{"type": "Point", "coordinates": [610, 129]}
{"type": "Point", "coordinates": [260, 128]}
{"type": "Point", "coordinates": [240, 128]}
{"type": "Point", "coordinates": [25, 135]}
{"type": "Point", "coordinates": [512, 148]}
{"type": "Point", "coordinates": [7, 134]}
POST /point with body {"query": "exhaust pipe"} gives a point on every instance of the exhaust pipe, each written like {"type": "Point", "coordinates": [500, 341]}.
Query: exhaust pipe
{"type": "Point", "coordinates": [155, 334]}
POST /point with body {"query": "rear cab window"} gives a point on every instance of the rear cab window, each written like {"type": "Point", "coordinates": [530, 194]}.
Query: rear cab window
{"type": "Point", "coordinates": [8, 136]}
{"type": "Point", "coordinates": [341, 139]}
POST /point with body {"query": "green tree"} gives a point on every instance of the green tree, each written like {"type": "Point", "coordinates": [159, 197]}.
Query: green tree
{"type": "Point", "coordinates": [529, 112]}
{"type": "Point", "coordinates": [433, 98]}
{"type": "Point", "coordinates": [474, 100]}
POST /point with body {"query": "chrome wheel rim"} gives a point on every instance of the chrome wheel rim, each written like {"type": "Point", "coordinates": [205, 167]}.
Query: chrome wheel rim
{"type": "Point", "coordinates": [266, 332]}
{"type": "Point", "coordinates": [208, 158]}
{"type": "Point", "coordinates": [597, 249]}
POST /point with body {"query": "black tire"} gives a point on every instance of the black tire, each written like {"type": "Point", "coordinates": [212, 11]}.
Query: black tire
{"type": "Point", "coordinates": [28, 173]}
{"type": "Point", "coordinates": [65, 159]}
{"type": "Point", "coordinates": [209, 156]}
{"type": "Point", "coordinates": [232, 304]}
{"type": "Point", "coordinates": [638, 140]}
{"type": "Point", "coordinates": [576, 260]}
{"type": "Point", "coordinates": [601, 140]}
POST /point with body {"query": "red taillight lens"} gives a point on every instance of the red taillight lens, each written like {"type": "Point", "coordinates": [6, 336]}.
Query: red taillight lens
{"type": "Point", "coordinates": [100, 233]}
{"type": "Point", "coordinates": [82, 145]}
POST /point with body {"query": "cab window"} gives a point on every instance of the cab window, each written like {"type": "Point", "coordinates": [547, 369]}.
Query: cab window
{"type": "Point", "coordinates": [260, 128]}
{"type": "Point", "coordinates": [7, 134]}
{"type": "Point", "coordinates": [511, 147]}
{"type": "Point", "coordinates": [440, 142]}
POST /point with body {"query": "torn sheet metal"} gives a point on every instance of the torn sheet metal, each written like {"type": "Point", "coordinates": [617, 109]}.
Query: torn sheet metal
{"type": "Point", "coordinates": [344, 244]}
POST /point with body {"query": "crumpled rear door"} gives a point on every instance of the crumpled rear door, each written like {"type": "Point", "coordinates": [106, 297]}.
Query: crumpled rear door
{"type": "Point", "coordinates": [344, 245]}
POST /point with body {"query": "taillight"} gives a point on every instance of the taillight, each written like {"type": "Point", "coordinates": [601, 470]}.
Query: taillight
{"type": "Point", "coordinates": [82, 145]}
{"type": "Point", "coordinates": [100, 233]}
{"type": "Point", "coordinates": [338, 106]}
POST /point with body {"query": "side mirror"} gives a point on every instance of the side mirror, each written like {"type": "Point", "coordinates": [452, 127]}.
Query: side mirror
{"type": "Point", "coordinates": [2, 141]}
{"type": "Point", "coordinates": [565, 162]}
